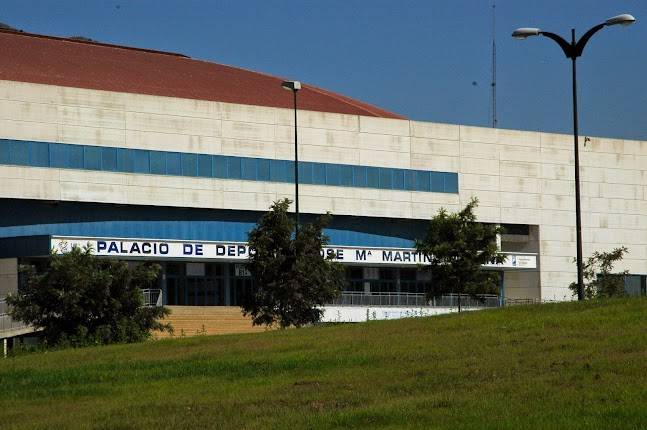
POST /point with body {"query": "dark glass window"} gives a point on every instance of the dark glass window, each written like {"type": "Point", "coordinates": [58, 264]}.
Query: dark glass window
{"type": "Point", "coordinates": [39, 154]}
{"type": "Point", "coordinates": [263, 169]}
{"type": "Point", "coordinates": [189, 165]}
{"type": "Point", "coordinates": [141, 161]}
{"type": "Point", "coordinates": [278, 170]}
{"type": "Point", "coordinates": [438, 182]}
{"type": "Point", "coordinates": [333, 174]}
{"type": "Point", "coordinates": [410, 180]}
{"type": "Point", "coordinates": [158, 163]}
{"type": "Point", "coordinates": [451, 182]}
{"type": "Point", "coordinates": [290, 170]}
{"type": "Point", "coordinates": [249, 167]}
{"type": "Point", "coordinates": [75, 153]}
{"type": "Point", "coordinates": [219, 166]}
{"type": "Point", "coordinates": [319, 173]}
{"type": "Point", "coordinates": [386, 180]}
{"type": "Point", "coordinates": [204, 165]}
{"type": "Point", "coordinates": [373, 177]}
{"type": "Point", "coordinates": [125, 160]}
{"type": "Point", "coordinates": [58, 155]}
{"type": "Point", "coordinates": [422, 181]}
{"type": "Point", "coordinates": [109, 159]}
{"type": "Point", "coordinates": [359, 176]}
{"type": "Point", "coordinates": [173, 163]}
{"type": "Point", "coordinates": [346, 175]}
{"type": "Point", "coordinates": [92, 158]}
{"type": "Point", "coordinates": [305, 172]}
{"type": "Point", "coordinates": [19, 152]}
{"type": "Point", "coordinates": [5, 157]}
{"type": "Point", "coordinates": [233, 168]}
{"type": "Point", "coordinates": [398, 179]}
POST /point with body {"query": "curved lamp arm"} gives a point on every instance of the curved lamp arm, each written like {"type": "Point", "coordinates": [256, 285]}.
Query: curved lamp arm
{"type": "Point", "coordinates": [566, 47]}
{"type": "Point", "coordinates": [579, 47]}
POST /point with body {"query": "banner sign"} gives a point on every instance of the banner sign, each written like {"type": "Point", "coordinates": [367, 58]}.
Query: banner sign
{"type": "Point", "coordinates": [238, 251]}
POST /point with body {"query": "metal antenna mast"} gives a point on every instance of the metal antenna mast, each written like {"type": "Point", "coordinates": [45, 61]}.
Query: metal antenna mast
{"type": "Point", "coordinates": [493, 84]}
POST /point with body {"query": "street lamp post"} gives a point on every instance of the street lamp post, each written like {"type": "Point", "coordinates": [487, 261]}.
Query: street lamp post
{"type": "Point", "coordinates": [295, 86]}
{"type": "Point", "coordinates": [573, 50]}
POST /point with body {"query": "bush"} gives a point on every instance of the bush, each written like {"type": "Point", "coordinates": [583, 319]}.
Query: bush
{"type": "Point", "coordinates": [80, 299]}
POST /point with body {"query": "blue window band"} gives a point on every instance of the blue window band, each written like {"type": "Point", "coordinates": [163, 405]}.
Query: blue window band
{"type": "Point", "coordinates": [85, 157]}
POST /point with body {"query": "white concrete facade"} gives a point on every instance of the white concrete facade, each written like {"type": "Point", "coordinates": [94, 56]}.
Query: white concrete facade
{"type": "Point", "coordinates": [519, 177]}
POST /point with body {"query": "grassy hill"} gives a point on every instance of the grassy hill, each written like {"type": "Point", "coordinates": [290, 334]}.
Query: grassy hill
{"type": "Point", "coordinates": [571, 365]}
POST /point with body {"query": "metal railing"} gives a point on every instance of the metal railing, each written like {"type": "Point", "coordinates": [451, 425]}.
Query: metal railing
{"type": "Point", "coordinates": [152, 297]}
{"type": "Point", "coordinates": [6, 322]}
{"type": "Point", "coordinates": [352, 298]}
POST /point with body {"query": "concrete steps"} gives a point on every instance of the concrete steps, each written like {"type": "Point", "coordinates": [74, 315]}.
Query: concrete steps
{"type": "Point", "coordinates": [208, 320]}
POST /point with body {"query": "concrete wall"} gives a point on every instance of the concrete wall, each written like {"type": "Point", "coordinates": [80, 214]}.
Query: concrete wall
{"type": "Point", "coordinates": [8, 276]}
{"type": "Point", "coordinates": [519, 177]}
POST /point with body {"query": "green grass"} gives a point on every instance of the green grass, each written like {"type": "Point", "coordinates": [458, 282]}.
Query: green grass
{"type": "Point", "coordinates": [570, 365]}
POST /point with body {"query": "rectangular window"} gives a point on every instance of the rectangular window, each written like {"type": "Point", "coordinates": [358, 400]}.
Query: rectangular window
{"type": "Point", "coordinates": [39, 154]}
{"type": "Point", "coordinates": [333, 174]}
{"type": "Point", "coordinates": [386, 180]}
{"type": "Point", "coordinates": [57, 155]}
{"type": "Point", "coordinates": [125, 160]}
{"type": "Point", "coordinates": [398, 179]}
{"type": "Point", "coordinates": [422, 181]}
{"type": "Point", "coordinates": [346, 175]}
{"type": "Point", "coordinates": [19, 151]}
{"type": "Point", "coordinates": [373, 177]}
{"type": "Point", "coordinates": [305, 172]}
{"type": "Point", "coordinates": [109, 159]}
{"type": "Point", "coordinates": [141, 161]}
{"type": "Point", "coordinates": [233, 168]}
{"type": "Point", "coordinates": [437, 182]}
{"type": "Point", "coordinates": [248, 169]}
{"type": "Point", "coordinates": [5, 157]}
{"type": "Point", "coordinates": [158, 162]}
{"type": "Point", "coordinates": [75, 153]}
{"type": "Point", "coordinates": [189, 165]}
{"type": "Point", "coordinates": [289, 171]}
{"type": "Point", "coordinates": [92, 158]}
{"type": "Point", "coordinates": [359, 176]}
{"type": "Point", "coordinates": [173, 163]}
{"type": "Point", "coordinates": [278, 170]}
{"type": "Point", "coordinates": [451, 182]}
{"type": "Point", "coordinates": [204, 166]}
{"type": "Point", "coordinates": [263, 169]}
{"type": "Point", "coordinates": [410, 180]}
{"type": "Point", "coordinates": [219, 166]}
{"type": "Point", "coordinates": [319, 173]}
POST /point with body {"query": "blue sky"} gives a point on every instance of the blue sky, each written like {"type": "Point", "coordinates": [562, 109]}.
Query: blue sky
{"type": "Point", "coordinates": [427, 60]}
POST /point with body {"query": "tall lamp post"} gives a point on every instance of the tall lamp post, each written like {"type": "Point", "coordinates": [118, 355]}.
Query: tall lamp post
{"type": "Point", "coordinates": [573, 50]}
{"type": "Point", "coordinates": [295, 86]}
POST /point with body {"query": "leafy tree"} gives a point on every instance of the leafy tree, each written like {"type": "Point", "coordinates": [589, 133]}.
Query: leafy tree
{"type": "Point", "coordinates": [80, 299]}
{"type": "Point", "coordinates": [292, 279]}
{"type": "Point", "coordinates": [457, 247]}
{"type": "Point", "coordinates": [598, 280]}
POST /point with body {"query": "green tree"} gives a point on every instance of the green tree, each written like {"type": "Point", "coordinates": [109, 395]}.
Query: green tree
{"type": "Point", "coordinates": [598, 280]}
{"type": "Point", "coordinates": [80, 299]}
{"type": "Point", "coordinates": [458, 247]}
{"type": "Point", "coordinates": [292, 279]}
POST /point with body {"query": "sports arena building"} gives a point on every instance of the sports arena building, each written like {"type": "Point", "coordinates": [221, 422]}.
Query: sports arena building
{"type": "Point", "coordinates": [157, 156]}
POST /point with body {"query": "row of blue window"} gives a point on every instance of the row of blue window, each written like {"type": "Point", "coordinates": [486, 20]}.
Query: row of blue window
{"type": "Point", "coordinates": [59, 155]}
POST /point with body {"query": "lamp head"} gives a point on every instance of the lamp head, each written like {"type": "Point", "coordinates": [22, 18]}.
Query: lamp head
{"type": "Point", "coordinates": [523, 33]}
{"type": "Point", "coordinates": [624, 19]}
{"type": "Point", "coordinates": [291, 85]}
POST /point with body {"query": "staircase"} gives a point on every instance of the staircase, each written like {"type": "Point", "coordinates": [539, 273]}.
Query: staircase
{"type": "Point", "coordinates": [207, 320]}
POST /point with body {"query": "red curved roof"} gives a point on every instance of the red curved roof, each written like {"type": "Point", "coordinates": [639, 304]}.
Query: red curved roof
{"type": "Point", "coordinates": [27, 57]}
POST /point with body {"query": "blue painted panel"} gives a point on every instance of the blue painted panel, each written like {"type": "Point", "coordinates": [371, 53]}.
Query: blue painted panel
{"type": "Point", "coordinates": [41, 154]}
